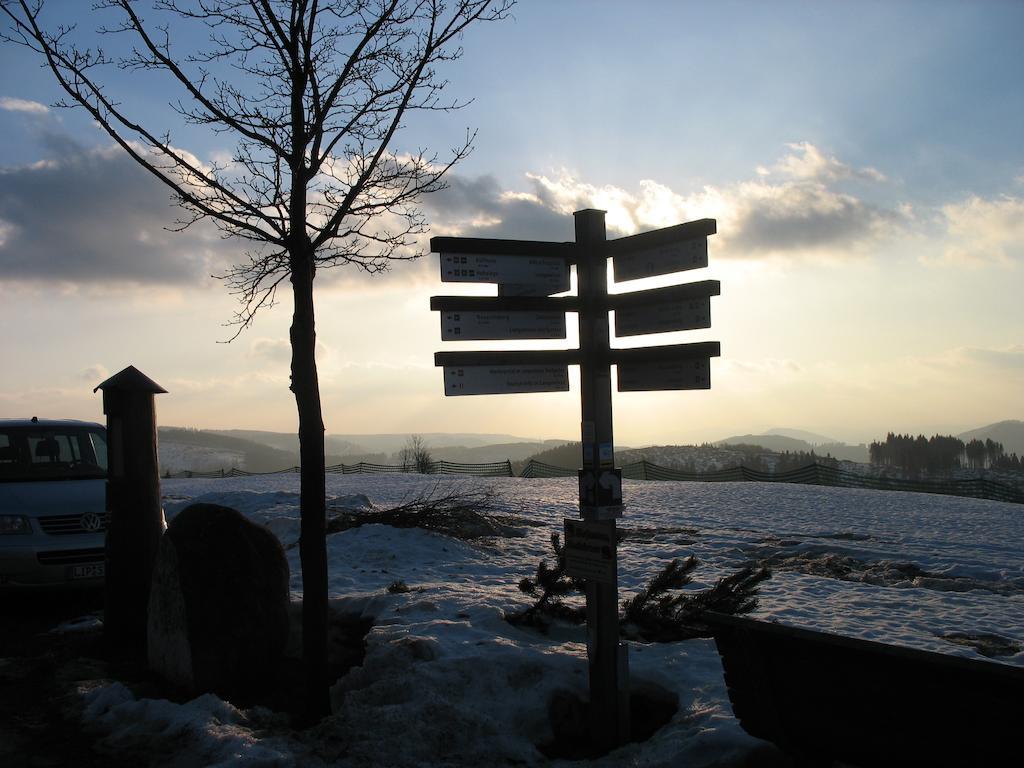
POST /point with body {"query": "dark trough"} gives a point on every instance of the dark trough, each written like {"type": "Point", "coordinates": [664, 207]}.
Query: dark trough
{"type": "Point", "coordinates": [823, 698]}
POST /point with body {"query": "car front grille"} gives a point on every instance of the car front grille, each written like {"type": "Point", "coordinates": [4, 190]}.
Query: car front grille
{"type": "Point", "coordinates": [59, 525]}
{"type": "Point", "coordinates": [71, 556]}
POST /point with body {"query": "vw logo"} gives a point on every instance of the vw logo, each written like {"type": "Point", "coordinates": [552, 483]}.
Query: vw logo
{"type": "Point", "coordinates": [91, 521]}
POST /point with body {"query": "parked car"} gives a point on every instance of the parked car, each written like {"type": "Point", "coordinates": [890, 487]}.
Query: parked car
{"type": "Point", "coordinates": [53, 517]}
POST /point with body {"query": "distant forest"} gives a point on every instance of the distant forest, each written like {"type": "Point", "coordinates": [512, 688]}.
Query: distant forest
{"type": "Point", "coordinates": [912, 455]}
{"type": "Point", "coordinates": [756, 457]}
{"type": "Point", "coordinates": [940, 453]}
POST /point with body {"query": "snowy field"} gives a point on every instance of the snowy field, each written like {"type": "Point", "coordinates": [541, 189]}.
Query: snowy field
{"type": "Point", "coordinates": [446, 681]}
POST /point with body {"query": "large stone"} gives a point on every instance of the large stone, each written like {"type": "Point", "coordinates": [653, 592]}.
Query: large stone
{"type": "Point", "coordinates": [218, 609]}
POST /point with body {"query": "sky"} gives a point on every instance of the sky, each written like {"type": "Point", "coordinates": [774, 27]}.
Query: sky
{"type": "Point", "coordinates": [863, 162]}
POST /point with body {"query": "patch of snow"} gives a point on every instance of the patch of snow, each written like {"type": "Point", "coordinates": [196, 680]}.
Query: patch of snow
{"type": "Point", "coordinates": [446, 680]}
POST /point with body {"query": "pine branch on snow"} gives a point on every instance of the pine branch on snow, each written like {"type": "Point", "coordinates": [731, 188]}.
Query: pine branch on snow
{"type": "Point", "coordinates": [659, 613]}
{"type": "Point", "coordinates": [655, 616]}
{"type": "Point", "coordinates": [653, 600]}
{"type": "Point", "coordinates": [549, 586]}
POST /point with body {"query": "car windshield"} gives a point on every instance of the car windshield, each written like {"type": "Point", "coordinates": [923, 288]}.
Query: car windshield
{"type": "Point", "coordinates": [52, 453]}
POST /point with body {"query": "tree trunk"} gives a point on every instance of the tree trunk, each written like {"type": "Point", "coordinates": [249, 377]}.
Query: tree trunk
{"type": "Point", "coordinates": [313, 493]}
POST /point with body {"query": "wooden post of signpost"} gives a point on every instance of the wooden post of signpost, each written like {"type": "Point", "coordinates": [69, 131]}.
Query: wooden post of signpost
{"type": "Point", "coordinates": [608, 666]}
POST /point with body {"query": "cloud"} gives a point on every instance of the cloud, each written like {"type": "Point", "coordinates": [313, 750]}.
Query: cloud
{"type": "Point", "coordinates": [479, 207]}
{"type": "Point", "coordinates": [807, 162]}
{"type": "Point", "coordinates": [1000, 360]}
{"type": "Point", "coordinates": [91, 216]}
{"type": "Point", "coordinates": [983, 231]}
{"type": "Point", "coordinates": [280, 350]}
{"type": "Point", "coordinates": [1007, 358]}
{"type": "Point", "coordinates": [795, 217]}
{"type": "Point", "coordinates": [95, 374]}
{"type": "Point", "coordinates": [276, 350]}
{"type": "Point", "coordinates": [794, 208]}
{"type": "Point", "coordinates": [10, 104]}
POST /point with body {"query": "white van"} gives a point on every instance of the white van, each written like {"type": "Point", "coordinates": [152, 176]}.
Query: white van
{"type": "Point", "coordinates": [53, 518]}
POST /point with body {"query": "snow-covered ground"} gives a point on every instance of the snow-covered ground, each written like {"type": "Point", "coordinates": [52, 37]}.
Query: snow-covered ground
{"type": "Point", "coordinates": [446, 681]}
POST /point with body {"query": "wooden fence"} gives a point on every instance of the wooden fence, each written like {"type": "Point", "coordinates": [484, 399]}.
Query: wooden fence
{"type": "Point", "coordinates": [812, 474]}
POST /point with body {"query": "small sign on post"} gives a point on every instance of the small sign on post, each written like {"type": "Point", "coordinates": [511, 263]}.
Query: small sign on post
{"type": "Point", "coordinates": [602, 491]}
{"type": "Point", "coordinates": [590, 551]}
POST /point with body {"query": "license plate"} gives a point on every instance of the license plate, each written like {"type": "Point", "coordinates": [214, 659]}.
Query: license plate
{"type": "Point", "coordinates": [93, 571]}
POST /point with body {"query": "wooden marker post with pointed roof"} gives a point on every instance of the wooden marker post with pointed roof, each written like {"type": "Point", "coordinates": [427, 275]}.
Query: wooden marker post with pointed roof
{"type": "Point", "coordinates": [133, 503]}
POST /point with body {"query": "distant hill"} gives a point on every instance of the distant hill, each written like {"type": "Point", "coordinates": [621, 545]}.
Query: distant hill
{"type": "Point", "coordinates": [801, 434]}
{"type": "Point", "coordinates": [346, 444]}
{"type": "Point", "coordinates": [781, 443]}
{"type": "Point", "coordinates": [488, 453]}
{"type": "Point", "coordinates": [777, 443]}
{"type": "Point", "coordinates": [568, 455]}
{"type": "Point", "coordinates": [202, 450]}
{"type": "Point", "coordinates": [1009, 433]}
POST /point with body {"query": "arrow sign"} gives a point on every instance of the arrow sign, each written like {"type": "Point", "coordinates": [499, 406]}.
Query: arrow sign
{"type": "Point", "coordinates": [505, 379]}
{"type": "Point", "coordinates": [661, 252]}
{"type": "Point", "coordinates": [472, 318]}
{"type": "Point", "coordinates": [675, 308]}
{"type": "Point", "coordinates": [499, 373]}
{"type": "Point", "coordinates": [656, 375]}
{"type": "Point", "coordinates": [530, 275]}
{"type": "Point", "coordinates": [676, 366]}
{"type": "Point", "coordinates": [478, 326]}
{"type": "Point", "coordinates": [520, 267]}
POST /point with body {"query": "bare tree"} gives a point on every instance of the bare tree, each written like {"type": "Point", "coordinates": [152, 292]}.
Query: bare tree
{"type": "Point", "coordinates": [312, 92]}
{"type": "Point", "coordinates": [415, 455]}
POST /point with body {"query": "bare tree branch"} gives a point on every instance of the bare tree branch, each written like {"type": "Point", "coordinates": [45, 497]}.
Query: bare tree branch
{"type": "Point", "coordinates": [312, 93]}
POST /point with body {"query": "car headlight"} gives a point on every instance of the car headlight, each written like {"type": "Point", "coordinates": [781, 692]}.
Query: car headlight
{"type": "Point", "coordinates": [14, 524]}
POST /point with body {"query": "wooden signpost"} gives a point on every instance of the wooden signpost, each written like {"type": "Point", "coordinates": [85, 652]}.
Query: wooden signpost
{"type": "Point", "coordinates": [528, 274]}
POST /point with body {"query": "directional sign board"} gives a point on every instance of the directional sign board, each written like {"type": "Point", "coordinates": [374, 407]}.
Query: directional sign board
{"type": "Point", "coordinates": [662, 252]}
{"type": "Point", "coordinates": [479, 326]}
{"type": "Point", "coordinates": [590, 550]}
{"type": "Point", "coordinates": [658, 310]}
{"type": "Point", "coordinates": [652, 375]}
{"type": "Point", "coordinates": [661, 260]}
{"type": "Point", "coordinates": [543, 287]}
{"type": "Point", "coordinates": [518, 275]}
{"type": "Point", "coordinates": [505, 379]}
{"type": "Point", "coordinates": [664, 317]}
